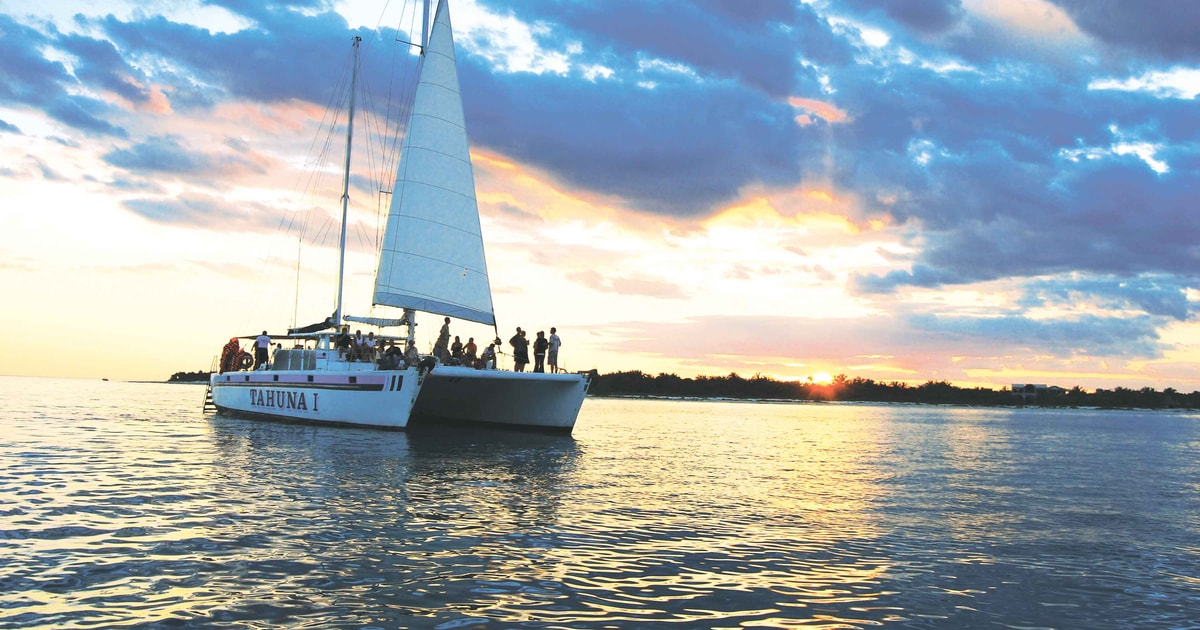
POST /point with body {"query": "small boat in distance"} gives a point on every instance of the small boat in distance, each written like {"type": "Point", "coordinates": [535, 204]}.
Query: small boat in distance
{"type": "Point", "coordinates": [431, 261]}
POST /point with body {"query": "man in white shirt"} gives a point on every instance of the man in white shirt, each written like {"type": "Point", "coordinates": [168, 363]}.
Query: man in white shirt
{"type": "Point", "coordinates": [552, 356]}
{"type": "Point", "coordinates": [261, 344]}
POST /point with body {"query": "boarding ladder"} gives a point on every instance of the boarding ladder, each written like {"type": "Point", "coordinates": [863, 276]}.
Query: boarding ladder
{"type": "Point", "coordinates": [209, 405]}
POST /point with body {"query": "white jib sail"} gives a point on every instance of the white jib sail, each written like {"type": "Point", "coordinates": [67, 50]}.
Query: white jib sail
{"type": "Point", "coordinates": [432, 258]}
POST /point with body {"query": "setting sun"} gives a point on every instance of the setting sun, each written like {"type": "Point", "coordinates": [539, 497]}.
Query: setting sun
{"type": "Point", "coordinates": [822, 378]}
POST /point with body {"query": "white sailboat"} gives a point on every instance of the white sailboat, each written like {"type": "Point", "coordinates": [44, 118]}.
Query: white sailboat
{"type": "Point", "coordinates": [432, 261]}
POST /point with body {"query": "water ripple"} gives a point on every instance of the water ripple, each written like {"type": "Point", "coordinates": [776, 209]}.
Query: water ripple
{"type": "Point", "coordinates": [120, 505]}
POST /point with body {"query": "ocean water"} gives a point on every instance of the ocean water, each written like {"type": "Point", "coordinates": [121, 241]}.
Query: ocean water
{"type": "Point", "coordinates": [121, 505]}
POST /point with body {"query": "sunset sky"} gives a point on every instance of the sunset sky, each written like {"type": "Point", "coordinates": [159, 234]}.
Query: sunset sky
{"type": "Point", "coordinates": [981, 191]}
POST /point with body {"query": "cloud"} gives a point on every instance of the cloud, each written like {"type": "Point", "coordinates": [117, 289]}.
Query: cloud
{"type": "Point", "coordinates": [904, 346]}
{"type": "Point", "coordinates": [757, 44]}
{"type": "Point", "coordinates": [161, 154]}
{"type": "Point", "coordinates": [285, 54]}
{"type": "Point", "coordinates": [681, 142]}
{"type": "Point", "coordinates": [1010, 177]}
{"type": "Point", "coordinates": [80, 113]}
{"type": "Point", "coordinates": [232, 216]}
{"type": "Point", "coordinates": [213, 213]}
{"type": "Point", "coordinates": [1155, 28]}
{"type": "Point", "coordinates": [629, 285]}
{"type": "Point", "coordinates": [679, 150]}
{"type": "Point", "coordinates": [1155, 295]}
{"type": "Point", "coordinates": [1178, 82]}
{"type": "Point", "coordinates": [7, 127]}
{"type": "Point", "coordinates": [29, 79]}
{"type": "Point", "coordinates": [136, 184]}
{"type": "Point", "coordinates": [170, 155]}
{"type": "Point", "coordinates": [922, 16]}
{"type": "Point", "coordinates": [695, 107]}
{"type": "Point", "coordinates": [46, 171]}
{"type": "Point", "coordinates": [98, 63]}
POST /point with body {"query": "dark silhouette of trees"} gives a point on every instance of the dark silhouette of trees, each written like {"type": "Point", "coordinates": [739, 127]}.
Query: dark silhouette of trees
{"type": "Point", "coordinates": [857, 389]}
{"type": "Point", "coordinates": [189, 377]}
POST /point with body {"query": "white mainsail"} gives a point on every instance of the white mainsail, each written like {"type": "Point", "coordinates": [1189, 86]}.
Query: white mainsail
{"type": "Point", "coordinates": [432, 257]}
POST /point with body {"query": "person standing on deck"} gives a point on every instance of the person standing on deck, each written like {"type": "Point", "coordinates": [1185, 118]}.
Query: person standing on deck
{"type": "Point", "coordinates": [261, 344]}
{"type": "Point", "coordinates": [552, 357]}
{"type": "Point", "coordinates": [520, 350]}
{"type": "Point", "coordinates": [440, 348]}
{"type": "Point", "coordinates": [539, 352]}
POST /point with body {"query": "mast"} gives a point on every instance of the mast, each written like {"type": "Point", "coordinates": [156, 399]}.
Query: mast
{"type": "Point", "coordinates": [337, 318]}
{"type": "Point", "coordinates": [296, 305]}
{"type": "Point", "coordinates": [410, 315]}
{"type": "Point", "coordinates": [425, 28]}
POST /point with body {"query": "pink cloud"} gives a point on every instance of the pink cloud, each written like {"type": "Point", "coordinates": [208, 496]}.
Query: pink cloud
{"type": "Point", "coordinates": [820, 109]}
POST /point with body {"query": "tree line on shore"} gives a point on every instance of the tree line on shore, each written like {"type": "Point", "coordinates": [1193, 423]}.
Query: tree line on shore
{"type": "Point", "coordinates": [198, 376]}
{"type": "Point", "coordinates": [843, 388]}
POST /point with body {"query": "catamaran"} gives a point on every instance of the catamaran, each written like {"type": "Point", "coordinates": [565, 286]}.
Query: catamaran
{"type": "Point", "coordinates": [431, 261]}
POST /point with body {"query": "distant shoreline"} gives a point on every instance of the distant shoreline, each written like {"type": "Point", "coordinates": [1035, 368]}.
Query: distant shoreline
{"type": "Point", "coordinates": [845, 389]}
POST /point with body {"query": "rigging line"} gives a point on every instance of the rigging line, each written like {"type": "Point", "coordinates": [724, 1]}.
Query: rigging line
{"type": "Point", "coordinates": [384, 171]}
{"type": "Point", "coordinates": [381, 165]}
{"type": "Point", "coordinates": [398, 94]}
{"type": "Point", "coordinates": [287, 224]}
{"type": "Point", "coordinates": [407, 89]}
{"type": "Point", "coordinates": [373, 138]}
{"type": "Point", "coordinates": [296, 305]}
{"type": "Point", "coordinates": [332, 114]}
{"type": "Point", "coordinates": [296, 220]}
{"type": "Point", "coordinates": [318, 158]}
{"type": "Point", "coordinates": [324, 230]}
{"type": "Point", "coordinates": [372, 134]}
{"type": "Point", "coordinates": [312, 176]}
{"type": "Point", "coordinates": [334, 133]}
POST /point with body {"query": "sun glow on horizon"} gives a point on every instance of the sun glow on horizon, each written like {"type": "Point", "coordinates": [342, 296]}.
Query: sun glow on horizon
{"type": "Point", "coordinates": [822, 378]}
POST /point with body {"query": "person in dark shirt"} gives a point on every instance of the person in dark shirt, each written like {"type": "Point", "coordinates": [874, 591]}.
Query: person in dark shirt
{"type": "Point", "coordinates": [520, 350]}
{"type": "Point", "coordinates": [539, 351]}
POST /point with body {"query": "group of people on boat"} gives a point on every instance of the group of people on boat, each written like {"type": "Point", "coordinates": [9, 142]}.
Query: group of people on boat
{"type": "Point", "coordinates": [357, 347]}
{"type": "Point", "coordinates": [459, 353]}
{"type": "Point", "coordinates": [389, 354]}
{"type": "Point", "coordinates": [545, 350]}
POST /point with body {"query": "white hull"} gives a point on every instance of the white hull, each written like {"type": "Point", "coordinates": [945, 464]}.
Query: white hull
{"type": "Point", "coordinates": [359, 394]}
{"type": "Point", "coordinates": [494, 397]}
{"type": "Point", "coordinates": [368, 397]}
